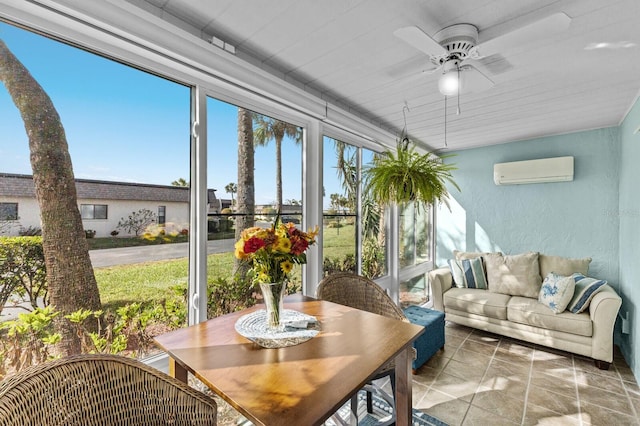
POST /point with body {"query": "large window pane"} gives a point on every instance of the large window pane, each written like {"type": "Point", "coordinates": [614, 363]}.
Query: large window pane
{"type": "Point", "coordinates": [340, 192]}
{"type": "Point", "coordinates": [415, 234]}
{"type": "Point", "coordinates": [374, 261]}
{"type": "Point", "coordinates": [354, 225]}
{"type": "Point", "coordinates": [414, 291]}
{"type": "Point", "coordinates": [128, 137]}
{"type": "Point", "coordinates": [273, 179]}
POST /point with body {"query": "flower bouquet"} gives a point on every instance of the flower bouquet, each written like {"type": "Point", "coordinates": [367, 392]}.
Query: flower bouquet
{"type": "Point", "coordinates": [273, 252]}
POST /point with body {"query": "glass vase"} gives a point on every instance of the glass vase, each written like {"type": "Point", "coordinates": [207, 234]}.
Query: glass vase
{"type": "Point", "coordinates": [273, 295]}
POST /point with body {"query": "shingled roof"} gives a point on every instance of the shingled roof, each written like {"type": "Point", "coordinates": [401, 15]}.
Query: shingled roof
{"type": "Point", "coordinates": [16, 185]}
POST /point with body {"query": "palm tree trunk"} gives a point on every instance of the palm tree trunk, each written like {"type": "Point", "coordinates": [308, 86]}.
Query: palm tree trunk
{"type": "Point", "coordinates": [245, 197]}
{"type": "Point", "coordinates": [72, 284]}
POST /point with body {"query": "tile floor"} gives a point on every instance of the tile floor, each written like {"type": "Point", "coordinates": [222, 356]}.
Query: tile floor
{"type": "Point", "coordinates": [485, 379]}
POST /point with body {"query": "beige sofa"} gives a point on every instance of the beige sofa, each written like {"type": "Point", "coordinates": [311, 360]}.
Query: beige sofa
{"type": "Point", "coordinates": [513, 310]}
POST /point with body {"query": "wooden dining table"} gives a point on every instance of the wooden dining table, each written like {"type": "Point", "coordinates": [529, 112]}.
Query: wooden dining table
{"type": "Point", "coordinates": [302, 384]}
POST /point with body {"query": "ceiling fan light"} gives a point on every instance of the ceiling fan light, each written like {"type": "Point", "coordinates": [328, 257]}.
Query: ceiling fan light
{"type": "Point", "coordinates": [449, 84]}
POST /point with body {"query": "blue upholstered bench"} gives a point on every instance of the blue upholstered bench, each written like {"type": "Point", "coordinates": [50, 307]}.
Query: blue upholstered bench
{"type": "Point", "coordinates": [432, 339]}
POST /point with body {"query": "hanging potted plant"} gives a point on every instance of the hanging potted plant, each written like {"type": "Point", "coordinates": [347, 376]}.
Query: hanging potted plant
{"type": "Point", "coordinates": [406, 176]}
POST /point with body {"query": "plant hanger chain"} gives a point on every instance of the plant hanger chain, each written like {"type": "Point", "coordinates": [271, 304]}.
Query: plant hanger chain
{"type": "Point", "coordinates": [404, 137]}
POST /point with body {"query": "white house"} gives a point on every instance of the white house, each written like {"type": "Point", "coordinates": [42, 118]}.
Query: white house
{"type": "Point", "coordinates": [102, 204]}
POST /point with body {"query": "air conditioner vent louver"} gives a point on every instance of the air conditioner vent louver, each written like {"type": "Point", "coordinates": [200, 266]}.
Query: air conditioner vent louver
{"type": "Point", "coordinates": [558, 169]}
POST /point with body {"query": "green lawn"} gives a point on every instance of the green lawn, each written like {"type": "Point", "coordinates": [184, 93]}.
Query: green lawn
{"type": "Point", "coordinates": [338, 242]}
{"type": "Point", "coordinates": [151, 281]}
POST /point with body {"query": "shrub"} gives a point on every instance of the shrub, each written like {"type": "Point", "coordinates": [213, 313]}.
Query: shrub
{"type": "Point", "coordinates": [114, 233]}
{"type": "Point", "coordinates": [137, 222]}
{"type": "Point", "coordinates": [373, 258]}
{"type": "Point", "coordinates": [345, 264]}
{"type": "Point", "coordinates": [89, 233]}
{"type": "Point", "coordinates": [22, 269]}
{"type": "Point", "coordinates": [28, 339]}
{"type": "Point", "coordinates": [31, 231]}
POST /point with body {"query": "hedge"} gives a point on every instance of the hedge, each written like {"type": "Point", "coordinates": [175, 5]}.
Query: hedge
{"type": "Point", "coordinates": [22, 270]}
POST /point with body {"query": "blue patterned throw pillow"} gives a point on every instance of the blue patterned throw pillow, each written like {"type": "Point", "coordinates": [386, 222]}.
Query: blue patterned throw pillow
{"type": "Point", "coordinates": [468, 273]}
{"type": "Point", "coordinates": [586, 288]}
{"type": "Point", "coordinates": [556, 292]}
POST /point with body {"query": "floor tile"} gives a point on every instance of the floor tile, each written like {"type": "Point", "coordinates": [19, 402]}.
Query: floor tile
{"type": "Point", "coordinates": [444, 407]}
{"type": "Point", "coordinates": [589, 379]}
{"type": "Point", "coordinates": [555, 401]}
{"type": "Point", "coordinates": [557, 382]}
{"type": "Point", "coordinates": [502, 403]}
{"type": "Point", "coordinates": [460, 388]}
{"type": "Point", "coordinates": [478, 347]}
{"type": "Point", "coordinates": [610, 400]}
{"type": "Point", "coordinates": [535, 415]}
{"type": "Point", "coordinates": [509, 369]}
{"type": "Point", "coordinates": [471, 369]}
{"type": "Point", "coordinates": [485, 379]}
{"type": "Point", "coordinates": [477, 416]}
{"type": "Point", "coordinates": [484, 337]}
{"type": "Point", "coordinates": [595, 415]}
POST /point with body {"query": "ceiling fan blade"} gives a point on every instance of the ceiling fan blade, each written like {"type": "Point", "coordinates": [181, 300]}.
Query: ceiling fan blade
{"type": "Point", "coordinates": [541, 28]}
{"type": "Point", "coordinates": [417, 38]}
{"type": "Point", "coordinates": [473, 80]}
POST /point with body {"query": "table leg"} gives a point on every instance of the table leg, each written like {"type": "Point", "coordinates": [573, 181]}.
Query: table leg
{"type": "Point", "coordinates": [177, 371]}
{"type": "Point", "coordinates": [404, 388]}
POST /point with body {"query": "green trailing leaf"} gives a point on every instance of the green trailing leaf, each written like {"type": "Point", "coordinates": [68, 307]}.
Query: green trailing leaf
{"type": "Point", "coordinates": [406, 176]}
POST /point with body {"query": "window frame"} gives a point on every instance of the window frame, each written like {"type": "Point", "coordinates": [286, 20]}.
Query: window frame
{"type": "Point", "coordinates": [93, 211]}
{"type": "Point", "coordinates": [7, 217]}
{"type": "Point", "coordinates": [206, 69]}
{"type": "Point", "coordinates": [162, 218]}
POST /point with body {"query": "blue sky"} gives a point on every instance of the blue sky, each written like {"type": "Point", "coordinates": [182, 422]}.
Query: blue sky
{"type": "Point", "coordinates": [123, 124]}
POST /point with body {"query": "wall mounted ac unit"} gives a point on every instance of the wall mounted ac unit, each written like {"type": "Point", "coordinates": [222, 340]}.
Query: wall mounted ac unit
{"type": "Point", "coordinates": [558, 169]}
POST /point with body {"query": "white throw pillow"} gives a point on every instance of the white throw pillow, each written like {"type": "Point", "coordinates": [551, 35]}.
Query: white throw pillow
{"type": "Point", "coordinates": [556, 292]}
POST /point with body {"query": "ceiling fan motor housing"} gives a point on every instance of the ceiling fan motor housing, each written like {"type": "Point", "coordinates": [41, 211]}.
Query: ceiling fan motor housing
{"type": "Point", "coordinates": [458, 40]}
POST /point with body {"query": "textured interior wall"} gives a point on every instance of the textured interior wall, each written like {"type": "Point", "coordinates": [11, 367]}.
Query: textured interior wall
{"type": "Point", "coordinates": [573, 219]}
{"type": "Point", "coordinates": [629, 214]}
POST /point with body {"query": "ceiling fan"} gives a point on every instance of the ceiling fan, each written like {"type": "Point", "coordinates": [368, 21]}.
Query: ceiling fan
{"type": "Point", "coordinates": [454, 49]}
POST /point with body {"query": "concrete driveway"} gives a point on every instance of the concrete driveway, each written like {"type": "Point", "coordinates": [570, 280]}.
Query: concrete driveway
{"type": "Point", "coordinates": [129, 255]}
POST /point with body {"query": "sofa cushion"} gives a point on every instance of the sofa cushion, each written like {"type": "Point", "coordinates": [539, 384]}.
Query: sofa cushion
{"type": "Point", "coordinates": [563, 265]}
{"type": "Point", "coordinates": [468, 273]}
{"type": "Point", "coordinates": [516, 275]}
{"type": "Point", "coordinates": [586, 288]}
{"type": "Point", "coordinates": [472, 255]}
{"type": "Point", "coordinates": [528, 311]}
{"type": "Point", "coordinates": [556, 292]}
{"type": "Point", "coordinates": [476, 301]}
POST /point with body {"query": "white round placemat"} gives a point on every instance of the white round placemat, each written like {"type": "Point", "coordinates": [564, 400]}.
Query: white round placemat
{"type": "Point", "coordinates": [299, 327]}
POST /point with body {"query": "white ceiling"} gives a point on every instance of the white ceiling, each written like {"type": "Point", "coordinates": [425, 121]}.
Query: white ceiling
{"type": "Point", "coordinates": [346, 51]}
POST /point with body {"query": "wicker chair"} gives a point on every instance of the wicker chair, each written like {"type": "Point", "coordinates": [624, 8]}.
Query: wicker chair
{"type": "Point", "coordinates": [361, 293]}
{"type": "Point", "coordinates": [100, 390]}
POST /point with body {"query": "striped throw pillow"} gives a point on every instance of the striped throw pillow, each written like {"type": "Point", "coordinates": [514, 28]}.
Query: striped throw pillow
{"type": "Point", "coordinates": [468, 273]}
{"type": "Point", "coordinates": [586, 288]}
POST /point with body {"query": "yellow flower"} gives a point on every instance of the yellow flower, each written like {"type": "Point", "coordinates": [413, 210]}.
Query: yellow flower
{"type": "Point", "coordinates": [239, 252]}
{"type": "Point", "coordinates": [286, 266]}
{"type": "Point", "coordinates": [282, 245]}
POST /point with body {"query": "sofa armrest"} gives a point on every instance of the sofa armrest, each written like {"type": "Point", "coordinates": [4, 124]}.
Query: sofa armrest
{"type": "Point", "coordinates": [440, 280]}
{"type": "Point", "coordinates": [603, 311]}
